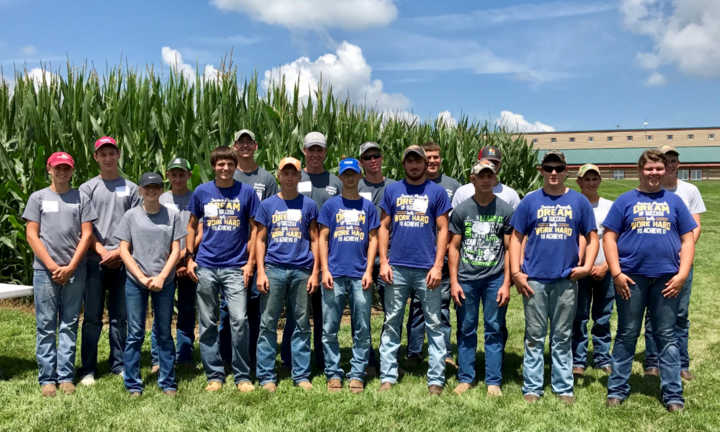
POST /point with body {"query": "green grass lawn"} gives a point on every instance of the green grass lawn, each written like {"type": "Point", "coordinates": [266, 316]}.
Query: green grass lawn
{"type": "Point", "coordinates": [407, 407]}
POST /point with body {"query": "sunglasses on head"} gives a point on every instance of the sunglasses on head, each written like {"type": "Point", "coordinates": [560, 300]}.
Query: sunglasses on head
{"type": "Point", "coordinates": [372, 156]}
{"type": "Point", "coordinates": [556, 168]}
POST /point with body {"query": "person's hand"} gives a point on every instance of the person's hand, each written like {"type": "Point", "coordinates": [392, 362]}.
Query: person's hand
{"type": "Point", "coordinates": [156, 283]}
{"type": "Point", "coordinates": [367, 280]}
{"type": "Point", "coordinates": [327, 280]}
{"type": "Point", "coordinates": [598, 272]}
{"type": "Point", "coordinates": [457, 293]}
{"type": "Point", "coordinates": [578, 273]}
{"type": "Point", "coordinates": [386, 273]}
{"type": "Point", "coordinates": [674, 286]}
{"type": "Point", "coordinates": [621, 282]}
{"type": "Point", "coordinates": [248, 271]}
{"type": "Point", "coordinates": [434, 277]}
{"type": "Point", "coordinates": [503, 295]}
{"type": "Point", "coordinates": [111, 259]}
{"type": "Point", "coordinates": [62, 274]}
{"type": "Point", "coordinates": [521, 284]}
{"type": "Point", "coordinates": [181, 272]}
{"type": "Point", "coordinates": [191, 266]}
{"type": "Point", "coordinates": [145, 281]}
{"type": "Point", "coordinates": [262, 282]}
{"type": "Point", "coordinates": [312, 284]}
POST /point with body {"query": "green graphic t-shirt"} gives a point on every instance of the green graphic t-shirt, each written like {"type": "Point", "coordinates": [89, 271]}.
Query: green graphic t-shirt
{"type": "Point", "coordinates": [482, 252]}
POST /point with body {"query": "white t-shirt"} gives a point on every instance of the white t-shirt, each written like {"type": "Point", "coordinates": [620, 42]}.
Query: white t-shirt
{"type": "Point", "coordinates": [690, 196]}
{"type": "Point", "coordinates": [501, 191]}
{"type": "Point", "coordinates": [601, 209]}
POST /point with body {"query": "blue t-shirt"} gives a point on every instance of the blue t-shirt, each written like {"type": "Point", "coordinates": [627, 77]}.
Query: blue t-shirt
{"type": "Point", "coordinates": [413, 210]}
{"type": "Point", "coordinates": [553, 224]}
{"type": "Point", "coordinates": [288, 230]}
{"type": "Point", "coordinates": [350, 223]}
{"type": "Point", "coordinates": [649, 227]}
{"type": "Point", "coordinates": [226, 214]}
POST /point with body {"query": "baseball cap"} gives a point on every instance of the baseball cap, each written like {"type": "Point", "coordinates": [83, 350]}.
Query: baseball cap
{"type": "Point", "coordinates": [491, 153]}
{"type": "Point", "coordinates": [181, 163]}
{"type": "Point", "coordinates": [289, 161]}
{"type": "Point", "coordinates": [586, 168]}
{"type": "Point", "coordinates": [106, 140]}
{"type": "Point", "coordinates": [414, 149]}
{"type": "Point", "coordinates": [242, 132]}
{"type": "Point", "coordinates": [557, 153]}
{"type": "Point", "coordinates": [368, 146]}
{"type": "Point", "coordinates": [60, 158]}
{"type": "Point", "coordinates": [314, 138]}
{"type": "Point", "coordinates": [150, 178]}
{"type": "Point", "coordinates": [667, 148]}
{"type": "Point", "coordinates": [349, 164]}
{"type": "Point", "coordinates": [482, 165]}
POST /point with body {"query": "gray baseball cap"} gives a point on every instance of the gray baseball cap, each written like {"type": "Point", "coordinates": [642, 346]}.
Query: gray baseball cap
{"type": "Point", "coordinates": [368, 146]}
{"type": "Point", "coordinates": [314, 138]}
{"type": "Point", "coordinates": [240, 133]}
{"type": "Point", "coordinates": [416, 150]}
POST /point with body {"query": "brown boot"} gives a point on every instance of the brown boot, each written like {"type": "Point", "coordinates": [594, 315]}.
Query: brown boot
{"type": "Point", "coordinates": [612, 402]}
{"type": "Point", "coordinates": [386, 386]}
{"type": "Point", "coordinates": [49, 390]}
{"type": "Point", "coordinates": [213, 386]}
{"type": "Point", "coordinates": [567, 399]}
{"type": "Point", "coordinates": [245, 387]}
{"type": "Point", "coordinates": [305, 385]}
{"type": "Point", "coordinates": [494, 391]}
{"type": "Point", "coordinates": [171, 393]}
{"type": "Point", "coordinates": [356, 386]}
{"type": "Point", "coordinates": [462, 388]}
{"type": "Point", "coordinates": [450, 362]}
{"type": "Point", "coordinates": [270, 387]}
{"type": "Point", "coordinates": [578, 372]}
{"type": "Point", "coordinates": [435, 390]}
{"type": "Point", "coordinates": [155, 369]}
{"type": "Point", "coordinates": [607, 369]}
{"type": "Point", "coordinates": [67, 387]}
{"type": "Point", "coordinates": [531, 398]}
{"type": "Point", "coordinates": [675, 407]}
{"type": "Point", "coordinates": [686, 375]}
{"type": "Point", "coordinates": [135, 395]}
{"type": "Point", "coordinates": [334, 385]}
{"type": "Point", "coordinates": [652, 372]}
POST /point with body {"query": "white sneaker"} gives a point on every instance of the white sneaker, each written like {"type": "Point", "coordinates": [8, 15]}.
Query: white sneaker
{"type": "Point", "coordinates": [122, 374]}
{"type": "Point", "coordinates": [88, 380]}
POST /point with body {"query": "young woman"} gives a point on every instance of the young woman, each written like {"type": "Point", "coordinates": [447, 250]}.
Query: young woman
{"type": "Point", "coordinates": [59, 230]}
{"type": "Point", "coordinates": [149, 247]}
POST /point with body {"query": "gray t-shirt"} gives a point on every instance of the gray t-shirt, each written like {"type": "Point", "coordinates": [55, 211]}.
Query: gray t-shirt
{"type": "Point", "coordinates": [150, 237]}
{"type": "Point", "coordinates": [482, 251]}
{"type": "Point", "coordinates": [501, 191]}
{"type": "Point", "coordinates": [60, 217]}
{"type": "Point", "coordinates": [449, 184]}
{"type": "Point", "coordinates": [319, 187]}
{"type": "Point", "coordinates": [110, 199]}
{"type": "Point", "coordinates": [178, 203]}
{"type": "Point", "coordinates": [690, 196]}
{"type": "Point", "coordinates": [262, 181]}
{"type": "Point", "coordinates": [374, 191]}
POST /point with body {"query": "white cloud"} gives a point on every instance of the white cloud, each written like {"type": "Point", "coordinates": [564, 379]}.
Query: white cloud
{"type": "Point", "coordinates": [686, 33]}
{"type": "Point", "coordinates": [447, 118]}
{"type": "Point", "coordinates": [315, 14]}
{"type": "Point", "coordinates": [28, 50]}
{"type": "Point", "coordinates": [173, 58]}
{"type": "Point", "coordinates": [656, 79]}
{"type": "Point", "coordinates": [40, 77]}
{"type": "Point", "coordinates": [346, 71]}
{"type": "Point", "coordinates": [517, 122]}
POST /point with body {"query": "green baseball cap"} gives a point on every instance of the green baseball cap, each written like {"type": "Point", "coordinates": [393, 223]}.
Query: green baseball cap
{"type": "Point", "coordinates": [181, 163]}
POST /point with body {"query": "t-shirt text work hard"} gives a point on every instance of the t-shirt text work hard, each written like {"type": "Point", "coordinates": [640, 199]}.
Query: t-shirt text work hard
{"type": "Point", "coordinates": [288, 230]}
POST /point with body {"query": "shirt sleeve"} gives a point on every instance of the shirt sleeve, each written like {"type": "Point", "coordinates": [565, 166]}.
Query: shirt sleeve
{"type": "Point", "coordinates": [587, 220]}
{"type": "Point", "coordinates": [136, 198]}
{"type": "Point", "coordinates": [261, 216]}
{"type": "Point", "coordinates": [195, 206]}
{"type": "Point", "coordinates": [254, 203]}
{"type": "Point", "coordinates": [87, 211]}
{"type": "Point", "coordinates": [325, 215]}
{"type": "Point", "coordinates": [697, 205]}
{"type": "Point", "coordinates": [386, 203]}
{"type": "Point", "coordinates": [123, 232]}
{"type": "Point", "coordinates": [442, 204]}
{"type": "Point", "coordinates": [456, 222]}
{"type": "Point", "coordinates": [373, 219]}
{"type": "Point", "coordinates": [515, 200]}
{"type": "Point", "coordinates": [312, 213]}
{"type": "Point", "coordinates": [508, 228]}
{"type": "Point", "coordinates": [271, 188]}
{"type": "Point", "coordinates": [32, 211]}
{"type": "Point", "coordinates": [180, 231]}
{"type": "Point", "coordinates": [685, 221]}
{"type": "Point", "coordinates": [519, 221]}
{"type": "Point", "coordinates": [614, 219]}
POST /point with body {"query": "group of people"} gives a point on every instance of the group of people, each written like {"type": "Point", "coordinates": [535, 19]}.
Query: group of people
{"type": "Point", "coordinates": [240, 248]}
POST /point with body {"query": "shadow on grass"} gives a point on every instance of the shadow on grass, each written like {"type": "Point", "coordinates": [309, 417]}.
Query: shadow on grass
{"type": "Point", "coordinates": [12, 367]}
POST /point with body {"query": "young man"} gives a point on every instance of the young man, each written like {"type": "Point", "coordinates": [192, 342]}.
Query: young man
{"type": "Point", "coordinates": [318, 184]}
{"type": "Point", "coordinates": [224, 262]}
{"type": "Point", "coordinates": [111, 196]}
{"type": "Point", "coordinates": [416, 211]}
{"type": "Point", "coordinates": [649, 246]}
{"type": "Point", "coordinates": [288, 268]}
{"type": "Point", "coordinates": [348, 244]}
{"type": "Point", "coordinates": [505, 193]}
{"type": "Point", "coordinates": [149, 247]}
{"type": "Point", "coordinates": [595, 291]}
{"type": "Point", "coordinates": [59, 230]}
{"type": "Point", "coordinates": [479, 273]}
{"type": "Point", "coordinates": [416, 321]}
{"type": "Point", "coordinates": [552, 219]}
{"type": "Point", "coordinates": [694, 202]}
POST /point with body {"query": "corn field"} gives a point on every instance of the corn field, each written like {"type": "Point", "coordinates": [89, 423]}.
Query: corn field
{"type": "Point", "coordinates": [156, 117]}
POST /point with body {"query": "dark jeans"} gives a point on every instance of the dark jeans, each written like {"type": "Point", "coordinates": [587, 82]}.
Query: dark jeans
{"type": "Point", "coordinates": [186, 319]}
{"type": "Point", "coordinates": [102, 284]}
{"type": "Point", "coordinates": [601, 295]}
{"type": "Point", "coordinates": [317, 316]}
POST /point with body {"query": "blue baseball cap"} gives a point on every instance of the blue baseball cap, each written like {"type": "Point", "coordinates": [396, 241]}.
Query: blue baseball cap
{"type": "Point", "coordinates": [349, 163]}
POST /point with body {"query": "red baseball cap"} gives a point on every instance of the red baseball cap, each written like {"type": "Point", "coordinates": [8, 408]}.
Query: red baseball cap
{"type": "Point", "coordinates": [61, 158]}
{"type": "Point", "coordinates": [106, 140]}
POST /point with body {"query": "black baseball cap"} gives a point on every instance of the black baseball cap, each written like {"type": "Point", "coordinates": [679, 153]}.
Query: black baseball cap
{"type": "Point", "coordinates": [150, 178]}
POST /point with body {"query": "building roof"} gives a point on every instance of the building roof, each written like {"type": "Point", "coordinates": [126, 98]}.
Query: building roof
{"type": "Point", "coordinates": [622, 130]}
{"type": "Point", "coordinates": [618, 156]}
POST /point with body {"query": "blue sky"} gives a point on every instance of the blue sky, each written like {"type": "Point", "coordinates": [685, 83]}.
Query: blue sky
{"type": "Point", "coordinates": [567, 65]}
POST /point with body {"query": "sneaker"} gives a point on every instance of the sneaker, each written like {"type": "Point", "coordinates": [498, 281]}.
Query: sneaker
{"type": "Point", "coordinates": [412, 362]}
{"type": "Point", "coordinates": [450, 362]}
{"type": "Point", "coordinates": [567, 399]}
{"type": "Point", "coordinates": [386, 386]}
{"type": "Point", "coordinates": [686, 375]}
{"type": "Point", "coordinates": [356, 386]}
{"type": "Point", "coordinates": [49, 390]}
{"type": "Point", "coordinates": [171, 393]}
{"type": "Point", "coordinates": [270, 387]}
{"type": "Point", "coordinates": [122, 374]}
{"type": "Point", "coordinates": [494, 391]}
{"type": "Point", "coordinates": [155, 369]}
{"type": "Point", "coordinates": [334, 385]}
{"type": "Point", "coordinates": [435, 390]}
{"type": "Point", "coordinates": [462, 388]}
{"type": "Point", "coordinates": [88, 380]}
{"type": "Point", "coordinates": [245, 387]}
{"type": "Point", "coordinates": [67, 387]}
{"type": "Point", "coordinates": [531, 398]}
{"type": "Point", "coordinates": [305, 385]}
{"type": "Point", "coordinates": [213, 386]}
{"type": "Point", "coordinates": [578, 372]}
{"type": "Point", "coordinates": [652, 372]}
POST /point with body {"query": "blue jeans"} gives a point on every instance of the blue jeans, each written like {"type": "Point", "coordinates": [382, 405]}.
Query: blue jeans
{"type": "Point", "coordinates": [101, 284]}
{"type": "Point", "coordinates": [647, 293]}
{"type": "Point", "coordinates": [288, 286]}
{"type": "Point", "coordinates": [406, 280]}
{"type": "Point", "coordinates": [360, 308]}
{"type": "Point", "coordinates": [416, 320]}
{"type": "Point", "coordinates": [57, 306]}
{"type": "Point", "coordinates": [556, 301]}
{"type": "Point", "coordinates": [317, 316]}
{"type": "Point", "coordinates": [479, 291]}
{"type": "Point", "coordinates": [162, 303]}
{"type": "Point", "coordinates": [602, 296]}
{"type": "Point", "coordinates": [682, 328]}
{"type": "Point", "coordinates": [186, 318]}
{"type": "Point", "coordinates": [211, 282]}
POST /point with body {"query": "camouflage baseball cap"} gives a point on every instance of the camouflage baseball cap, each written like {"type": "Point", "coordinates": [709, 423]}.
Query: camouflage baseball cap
{"type": "Point", "coordinates": [667, 148]}
{"type": "Point", "coordinates": [482, 165]}
{"type": "Point", "coordinates": [587, 168]}
{"type": "Point", "coordinates": [557, 153]}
